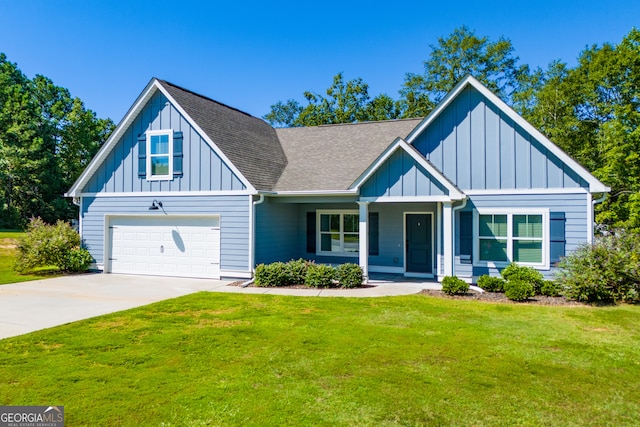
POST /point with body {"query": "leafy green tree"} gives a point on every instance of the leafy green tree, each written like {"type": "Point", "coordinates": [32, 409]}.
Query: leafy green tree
{"type": "Point", "coordinates": [345, 102]}
{"type": "Point", "coordinates": [455, 56]}
{"type": "Point", "coordinates": [46, 139]}
{"type": "Point", "coordinates": [593, 112]}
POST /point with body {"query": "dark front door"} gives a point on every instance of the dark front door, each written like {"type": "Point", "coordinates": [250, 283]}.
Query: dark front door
{"type": "Point", "coordinates": [419, 243]}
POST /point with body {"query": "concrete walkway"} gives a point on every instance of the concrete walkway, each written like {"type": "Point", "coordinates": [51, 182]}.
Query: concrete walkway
{"type": "Point", "coordinates": [31, 306]}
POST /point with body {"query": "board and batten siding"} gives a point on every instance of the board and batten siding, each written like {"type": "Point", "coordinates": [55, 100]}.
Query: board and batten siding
{"type": "Point", "coordinates": [203, 169]}
{"type": "Point", "coordinates": [478, 147]}
{"type": "Point", "coordinates": [401, 175]}
{"type": "Point", "coordinates": [574, 206]}
{"type": "Point", "coordinates": [233, 211]}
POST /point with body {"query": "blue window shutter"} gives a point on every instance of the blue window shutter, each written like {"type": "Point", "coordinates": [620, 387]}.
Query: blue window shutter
{"type": "Point", "coordinates": [177, 154]}
{"type": "Point", "coordinates": [466, 238]}
{"type": "Point", "coordinates": [374, 244]}
{"type": "Point", "coordinates": [557, 239]}
{"type": "Point", "coordinates": [142, 155]}
{"type": "Point", "coordinates": [311, 232]}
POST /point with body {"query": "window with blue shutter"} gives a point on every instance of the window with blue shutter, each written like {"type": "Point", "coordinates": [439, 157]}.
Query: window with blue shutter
{"type": "Point", "coordinates": [311, 232]}
{"type": "Point", "coordinates": [465, 244]}
{"type": "Point", "coordinates": [374, 244]}
{"type": "Point", "coordinates": [160, 155]}
{"type": "Point", "coordinates": [142, 155]}
{"type": "Point", "coordinates": [557, 239]}
{"type": "Point", "coordinates": [177, 154]}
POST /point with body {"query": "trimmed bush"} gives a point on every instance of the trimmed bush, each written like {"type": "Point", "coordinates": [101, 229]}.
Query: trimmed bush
{"type": "Point", "coordinates": [320, 276]}
{"type": "Point", "coordinates": [491, 284]}
{"type": "Point", "coordinates": [607, 271]}
{"type": "Point", "coordinates": [518, 290]}
{"type": "Point", "coordinates": [525, 274]}
{"type": "Point", "coordinates": [296, 271]}
{"type": "Point", "coordinates": [550, 289]}
{"type": "Point", "coordinates": [349, 275]}
{"type": "Point", "coordinates": [47, 245]}
{"type": "Point", "coordinates": [452, 285]}
{"type": "Point", "coordinates": [273, 274]}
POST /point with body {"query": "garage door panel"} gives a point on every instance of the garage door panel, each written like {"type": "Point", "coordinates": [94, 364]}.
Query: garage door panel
{"type": "Point", "coordinates": [168, 246]}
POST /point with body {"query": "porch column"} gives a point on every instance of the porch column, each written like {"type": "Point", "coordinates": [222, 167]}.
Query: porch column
{"type": "Point", "coordinates": [447, 228]}
{"type": "Point", "coordinates": [363, 249]}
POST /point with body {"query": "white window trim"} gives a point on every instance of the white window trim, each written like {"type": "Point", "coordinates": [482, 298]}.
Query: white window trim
{"type": "Point", "coordinates": [169, 176]}
{"type": "Point", "coordinates": [510, 212]}
{"type": "Point", "coordinates": [319, 250]}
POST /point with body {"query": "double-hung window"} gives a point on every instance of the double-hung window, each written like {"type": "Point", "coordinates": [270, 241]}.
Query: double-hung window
{"type": "Point", "coordinates": [504, 236]}
{"type": "Point", "coordinates": [160, 155]}
{"type": "Point", "coordinates": [338, 233]}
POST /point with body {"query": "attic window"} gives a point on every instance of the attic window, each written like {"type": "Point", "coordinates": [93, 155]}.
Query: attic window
{"type": "Point", "coordinates": [160, 157]}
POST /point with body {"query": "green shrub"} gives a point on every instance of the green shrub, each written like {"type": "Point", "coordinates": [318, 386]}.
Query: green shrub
{"type": "Point", "coordinates": [452, 285]}
{"type": "Point", "coordinates": [349, 275]}
{"type": "Point", "coordinates": [296, 271]}
{"type": "Point", "coordinates": [550, 289]}
{"type": "Point", "coordinates": [320, 276]}
{"type": "Point", "coordinates": [273, 274]}
{"type": "Point", "coordinates": [491, 284]}
{"type": "Point", "coordinates": [525, 274]}
{"type": "Point", "coordinates": [518, 290]}
{"type": "Point", "coordinates": [605, 272]}
{"type": "Point", "coordinates": [47, 245]}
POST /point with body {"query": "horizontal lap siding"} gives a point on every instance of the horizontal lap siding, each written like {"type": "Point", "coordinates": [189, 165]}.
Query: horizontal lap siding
{"type": "Point", "coordinates": [478, 147]}
{"type": "Point", "coordinates": [203, 169]}
{"type": "Point", "coordinates": [277, 232]}
{"type": "Point", "coordinates": [233, 211]}
{"type": "Point", "coordinates": [574, 207]}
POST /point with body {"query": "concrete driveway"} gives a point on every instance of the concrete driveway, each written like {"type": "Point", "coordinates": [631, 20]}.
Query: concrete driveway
{"type": "Point", "coordinates": [31, 306]}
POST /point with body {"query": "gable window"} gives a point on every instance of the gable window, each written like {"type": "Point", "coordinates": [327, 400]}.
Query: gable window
{"type": "Point", "coordinates": [338, 233]}
{"type": "Point", "coordinates": [504, 236]}
{"type": "Point", "coordinates": [160, 155]}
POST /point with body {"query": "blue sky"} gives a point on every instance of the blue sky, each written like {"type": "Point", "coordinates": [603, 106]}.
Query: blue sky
{"type": "Point", "coordinates": [251, 54]}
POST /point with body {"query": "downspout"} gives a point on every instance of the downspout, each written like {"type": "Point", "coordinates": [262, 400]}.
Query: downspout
{"type": "Point", "coordinates": [252, 237]}
{"type": "Point", "coordinates": [453, 233]}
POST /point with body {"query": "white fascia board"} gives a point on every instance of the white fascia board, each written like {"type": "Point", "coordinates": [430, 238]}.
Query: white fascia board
{"type": "Point", "coordinates": [157, 194]}
{"type": "Point", "coordinates": [313, 193]}
{"type": "Point", "coordinates": [405, 199]}
{"type": "Point", "coordinates": [206, 137]}
{"type": "Point", "coordinates": [106, 148]}
{"type": "Point", "coordinates": [595, 186]}
{"type": "Point", "coordinates": [399, 143]}
{"type": "Point", "coordinates": [524, 191]}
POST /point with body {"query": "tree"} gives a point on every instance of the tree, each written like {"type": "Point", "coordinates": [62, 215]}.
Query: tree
{"type": "Point", "coordinates": [345, 102]}
{"type": "Point", "coordinates": [46, 139]}
{"type": "Point", "coordinates": [459, 54]}
{"type": "Point", "coordinates": [593, 112]}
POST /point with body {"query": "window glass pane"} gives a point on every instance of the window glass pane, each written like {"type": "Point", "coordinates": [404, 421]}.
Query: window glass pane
{"type": "Point", "coordinates": [351, 224]}
{"type": "Point", "coordinates": [335, 223]}
{"type": "Point", "coordinates": [351, 242]}
{"type": "Point", "coordinates": [493, 250]}
{"type": "Point", "coordinates": [493, 225]}
{"type": "Point", "coordinates": [527, 251]}
{"type": "Point", "coordinates": [335, 242]}
{"type": "Point", "coordinates": [159, 144]}
{"type": "Point", "coordinates": [325, 242]}
{"type": "Point", "coordinates": [324, 222]}
{"type": "Point", "coordinates": [160, 165]}
{"type": "Point", "coordinates": [527, 226]}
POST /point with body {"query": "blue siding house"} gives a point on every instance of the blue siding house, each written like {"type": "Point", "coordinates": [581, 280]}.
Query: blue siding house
{"type": "Point", "coordinates": [187, 186]}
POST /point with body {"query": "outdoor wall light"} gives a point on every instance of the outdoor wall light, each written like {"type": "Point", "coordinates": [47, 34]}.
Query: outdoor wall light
{"type": "Point", "coordinates": [155, 205]}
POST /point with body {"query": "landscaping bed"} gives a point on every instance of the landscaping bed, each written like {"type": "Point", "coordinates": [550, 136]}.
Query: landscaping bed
{"type": "Point", "coordinates": [501, 298]}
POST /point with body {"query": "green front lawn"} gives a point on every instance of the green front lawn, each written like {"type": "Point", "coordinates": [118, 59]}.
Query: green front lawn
{"type": "Point", "coordinates": [8, 240]}
{"type": "Point", "coordinates": [262, 360]}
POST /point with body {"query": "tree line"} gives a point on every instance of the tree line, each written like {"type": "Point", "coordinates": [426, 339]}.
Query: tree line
{"type": "Point", "coordinates": [47, 137]}
{"type": "Point", "coordinates": [592, 110]}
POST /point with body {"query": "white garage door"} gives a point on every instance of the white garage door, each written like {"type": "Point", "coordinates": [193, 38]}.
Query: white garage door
{"type": "Point", "coordinates": [165, 246]}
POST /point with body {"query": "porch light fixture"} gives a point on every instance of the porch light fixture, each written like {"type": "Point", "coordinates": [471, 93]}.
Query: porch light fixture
{"type": "Point", "coordinates": [155, 205]}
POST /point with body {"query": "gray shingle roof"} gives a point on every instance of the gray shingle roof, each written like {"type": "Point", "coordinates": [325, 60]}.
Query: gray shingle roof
{"type": "Point", "coordinates": [249, 142]}
{"type": "Point", "coordinates": [332, 157]}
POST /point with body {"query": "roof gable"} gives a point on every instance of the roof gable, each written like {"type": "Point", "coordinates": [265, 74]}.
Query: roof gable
{"type": "Point", "coordinates": [402, 172]}
{"type": "Point", "coordinates": [479, 142]}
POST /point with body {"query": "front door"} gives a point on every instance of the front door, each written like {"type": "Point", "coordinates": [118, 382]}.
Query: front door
{"type": "Point", "coordinates": [419, 243]}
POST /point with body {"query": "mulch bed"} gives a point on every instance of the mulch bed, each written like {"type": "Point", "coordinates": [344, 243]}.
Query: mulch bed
{"type": "Point", "coordinates": [501, 298]}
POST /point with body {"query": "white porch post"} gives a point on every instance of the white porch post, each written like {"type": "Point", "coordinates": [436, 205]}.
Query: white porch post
{"type": "Point", "coordinates": [363, 249]}
{"type": "Point", "coordinates": [447, 228]}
